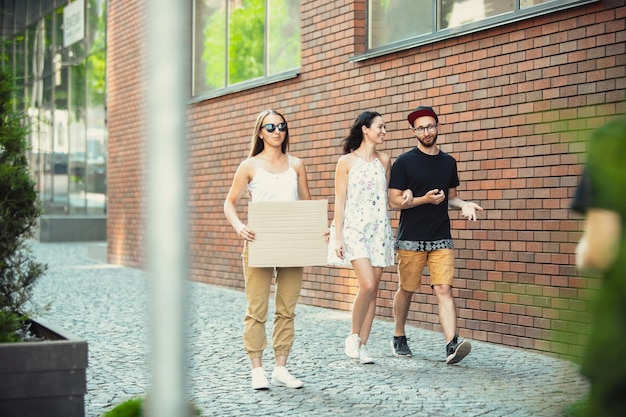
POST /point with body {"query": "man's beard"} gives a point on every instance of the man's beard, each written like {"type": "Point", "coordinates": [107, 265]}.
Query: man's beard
{"type": "Point", "coordinates": [428, 145]}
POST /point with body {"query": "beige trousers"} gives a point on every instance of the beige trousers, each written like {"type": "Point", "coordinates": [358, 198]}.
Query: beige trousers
{"type": "Point", "coordinates": [258, 285]}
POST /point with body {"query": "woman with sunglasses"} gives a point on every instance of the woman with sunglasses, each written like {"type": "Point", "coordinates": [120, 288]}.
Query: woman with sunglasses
{"type": "Point", "coordinates": [360, 234]}
{"type": "Point", "coordinates": [268, 174]}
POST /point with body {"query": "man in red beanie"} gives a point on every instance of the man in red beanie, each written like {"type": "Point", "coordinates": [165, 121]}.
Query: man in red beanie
{"type": "Point", "coordinates": [424, 238]}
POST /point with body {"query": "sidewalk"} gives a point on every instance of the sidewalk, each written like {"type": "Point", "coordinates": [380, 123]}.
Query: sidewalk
{"type": "Point", "coordinates": [108, 306]}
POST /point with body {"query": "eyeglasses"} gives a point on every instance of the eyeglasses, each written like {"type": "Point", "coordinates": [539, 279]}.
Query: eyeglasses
{"type": "Point", "coordinates": [270, 127]}
{"type": "Point", "coordinates": [421, 129]}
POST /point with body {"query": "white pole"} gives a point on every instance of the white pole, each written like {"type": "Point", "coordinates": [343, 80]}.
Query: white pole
{"type": "Point", "coordinates": [166, 179]}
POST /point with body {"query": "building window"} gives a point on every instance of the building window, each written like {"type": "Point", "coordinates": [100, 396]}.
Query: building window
{"type": "Point", "coordinates": [242, 41]}
{"type": "Point", "coordinates": [397, 24]}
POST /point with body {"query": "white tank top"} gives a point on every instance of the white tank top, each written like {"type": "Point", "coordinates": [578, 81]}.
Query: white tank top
{"type": "Point", "coordinates": [268, 186]}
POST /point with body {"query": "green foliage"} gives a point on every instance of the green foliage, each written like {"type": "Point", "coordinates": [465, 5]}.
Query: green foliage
{"type": "Point", "coordinates": [214, 49]}
{"type": "Point", "coordinates": [19, 211]}
{"type": "Point", "coordinates": [246, 43]}
{"type": "Point", "coordinates": [97, 70]}
{"type": "Point", "coordinates": [134, 408]}
{"type": "Point", "coordinates": [130, 408]}
{"type": "Point", "coordinates": [9, 321]}
{"type": "Point", "coordinates": [284, 36]}
{"type": "Point", "coordinates": [577, 409]}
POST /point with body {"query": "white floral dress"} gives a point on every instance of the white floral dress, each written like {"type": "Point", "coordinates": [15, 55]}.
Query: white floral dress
{"type": "Point", "coordinates": [366, 227]}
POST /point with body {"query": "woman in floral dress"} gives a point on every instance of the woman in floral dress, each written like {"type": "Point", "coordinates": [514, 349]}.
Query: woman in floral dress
{"type": "Point", "coordinates": [360, 234]}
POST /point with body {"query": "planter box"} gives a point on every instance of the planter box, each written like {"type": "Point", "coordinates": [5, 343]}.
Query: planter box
{"type": "Point", "coordinates": [46, 378]}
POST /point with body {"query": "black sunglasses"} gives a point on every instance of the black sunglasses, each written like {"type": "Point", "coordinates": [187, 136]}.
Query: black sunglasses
{"type": "Point", "coordinates": [270, 127]}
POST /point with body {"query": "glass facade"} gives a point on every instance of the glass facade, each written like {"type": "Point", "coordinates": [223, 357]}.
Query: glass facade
{"type": "Point", "coordinates": [58, 53]}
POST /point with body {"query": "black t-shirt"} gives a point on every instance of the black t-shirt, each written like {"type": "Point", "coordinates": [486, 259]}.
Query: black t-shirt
{"type": "Point", "coordinates": [421, 173]}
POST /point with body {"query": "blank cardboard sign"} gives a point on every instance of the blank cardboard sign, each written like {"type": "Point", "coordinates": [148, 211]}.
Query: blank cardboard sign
{"type": "Point", "coordinates": [288, 233]}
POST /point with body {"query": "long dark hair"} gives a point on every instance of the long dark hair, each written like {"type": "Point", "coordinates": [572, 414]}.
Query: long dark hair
{"type": "Point", "coordinates": [256, 144]}
{"type": "Point", "coordinates": [355, 137]}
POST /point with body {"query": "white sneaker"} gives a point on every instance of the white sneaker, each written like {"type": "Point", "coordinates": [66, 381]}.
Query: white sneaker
{"type": "Point", "coordinates": [282, 377]}
{"type": "Point", "coordinates": [364, 356]}
{"type": "Point", "coordinates": [259, 381]}
{"type": "Point", "coordinates": [352, 346]}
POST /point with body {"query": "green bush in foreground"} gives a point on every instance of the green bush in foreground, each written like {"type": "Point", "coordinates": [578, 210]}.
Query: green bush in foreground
{"type": "Point", "coordinates": [19, 212]}
{"type": "Point", "coordinates": [134, 408]}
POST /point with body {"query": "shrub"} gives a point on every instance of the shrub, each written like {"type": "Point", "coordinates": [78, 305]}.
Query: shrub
{"type": "Point", "coordinates": [19, 211]}
{"type": "Point", "coordinates": [134, 408]}
{"type": "Point", "coordinates": [130, 408]}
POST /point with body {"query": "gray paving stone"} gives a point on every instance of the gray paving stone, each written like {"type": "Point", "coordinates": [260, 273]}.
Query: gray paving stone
{"type": "Point", "coordinates": [109, 306]}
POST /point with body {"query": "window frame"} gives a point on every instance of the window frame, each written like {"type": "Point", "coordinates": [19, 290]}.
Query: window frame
{"type": "Point", "coordinates": [491, 22]}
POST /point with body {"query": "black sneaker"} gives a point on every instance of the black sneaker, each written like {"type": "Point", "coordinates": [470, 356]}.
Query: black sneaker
{"type": "Point", "coordinates": [456, 351]}
{"type": "Point", "coordinates": [400, 347]}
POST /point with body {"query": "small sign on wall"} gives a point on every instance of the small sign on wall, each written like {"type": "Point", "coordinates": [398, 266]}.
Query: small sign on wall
{"type": "Point", "coordinates": [73, 23]}
{"type": "Point", "coordinates": [288, 233]}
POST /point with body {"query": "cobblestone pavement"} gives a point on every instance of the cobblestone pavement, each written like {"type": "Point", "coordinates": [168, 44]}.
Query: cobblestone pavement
{"type": "Point", "coordinates": [108, 306]}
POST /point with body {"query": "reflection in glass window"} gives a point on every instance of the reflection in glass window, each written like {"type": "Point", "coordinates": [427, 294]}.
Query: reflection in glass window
{"type": "Point", "coordinates": [396, 20]}
{"type": "Point", "coordinates": [77, 126]}
{"type": "Point", "coordinates": [49, 37]}
{"type": "Point", "coordinates": [453, 13]}
{"type": "Point", "coordinates": [233, 43]}
{"type": "Point", "coordinates": [64, 99]}
{"type": "Point", "coordinates": [246, 40]}
{"type": "Point", "coordinates": [404, 21]}
{"type": "Point", "coordinates": [284, 35]}
{"type": "Point", "coordinates": [209, 45]}
{"type": "Point", "coordinates": [19, 60]}
{"type": "Point", "coordinates": [529, 3]}
{"type": "Point", "coordinates": [97, 15]}
{"type": "Point", "coordinates": [95, 138]}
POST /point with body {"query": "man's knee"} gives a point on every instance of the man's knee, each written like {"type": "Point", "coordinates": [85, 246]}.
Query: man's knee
{"type": "Point", "coordinates": [443, 290]}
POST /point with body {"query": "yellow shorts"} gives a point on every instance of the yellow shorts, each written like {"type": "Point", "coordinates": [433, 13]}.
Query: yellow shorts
{"type": "Point", "coordinates": [411, 266]}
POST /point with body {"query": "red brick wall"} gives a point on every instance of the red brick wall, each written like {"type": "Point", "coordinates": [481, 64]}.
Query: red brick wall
{"type": "Point", "coordinates": [125, 217]}
{"type": "Point", "coordinates": [516, 104]}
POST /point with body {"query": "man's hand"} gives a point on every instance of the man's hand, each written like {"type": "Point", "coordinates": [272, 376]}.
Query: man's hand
{"type": "Point", "coordinates": [435, 196]}
{"type": "Point", "coordinates": [468, 210]}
